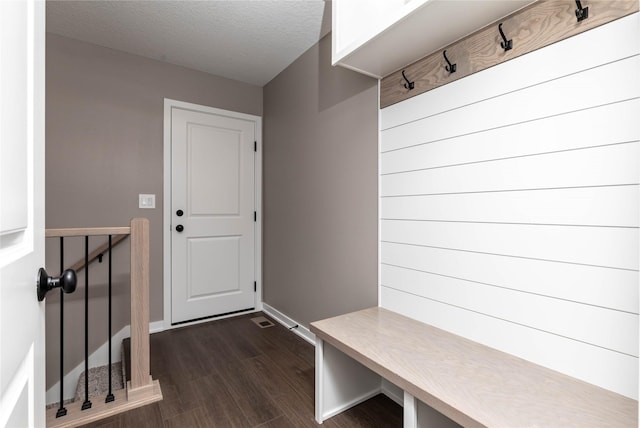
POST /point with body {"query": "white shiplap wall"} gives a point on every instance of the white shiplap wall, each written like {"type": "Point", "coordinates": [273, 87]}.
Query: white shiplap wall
{"type": "Point", "coordinates": [510, 206]}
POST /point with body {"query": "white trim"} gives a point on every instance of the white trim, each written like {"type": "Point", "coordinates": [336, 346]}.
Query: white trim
{"type": "Point", "coordinates": [352, 403]}
{"type": "Point", "coordinates": [379, 222]}
{"type": "Point", "coordinates": [410, 413]}
{"type": "Point", "coordinates": [290, 323]}
{"type": "Point", "coordinates": [319, 387]}
{"type": "Point", "coordinates": [166, 209]}
{"type": "Point", "coordinates": [258, 208]}
{"type": "Point", "coordinates": [392, 391]}
{"type": "Point", "coordinates": [156, 327]}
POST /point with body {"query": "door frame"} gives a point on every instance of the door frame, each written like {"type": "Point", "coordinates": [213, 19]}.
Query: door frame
{"type": "Point", "coordinates": [166, 209]}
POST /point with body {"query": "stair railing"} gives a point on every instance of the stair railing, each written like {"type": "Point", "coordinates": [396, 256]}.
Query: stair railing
{"type": "Point", "coordinates": [141, 389]}
{"type": "Point", "coordinates": [98, 253]}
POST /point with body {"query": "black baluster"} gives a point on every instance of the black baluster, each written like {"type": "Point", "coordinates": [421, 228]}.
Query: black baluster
{"type": "Point", "coordinates": [110, 396]}
{"type": "Point", "coordinates": [62, 411]}
{"type": "Point", "coordinates": [86, 404]}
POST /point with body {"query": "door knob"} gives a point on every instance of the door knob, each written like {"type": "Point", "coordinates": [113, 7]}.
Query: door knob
{"type": "Point", "coordinates": [179, 228]}
{"type": "Point", "coordinates": [179, 213]}
{"type": "Point", "coordinates": [67, 281]}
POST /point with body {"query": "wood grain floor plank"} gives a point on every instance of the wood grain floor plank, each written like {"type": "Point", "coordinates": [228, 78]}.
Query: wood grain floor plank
{"type": "Point", "coordinates": [220, 405]}
{"type": "Point", "coordinates": [110, 422]}
{"type": "Point", "coordinates": [245, 390]}
{"type": "Point", "coordinates": [275, 383]}
{"type": "Point", "coordinates": [295, 345]}
{"type": "Point", "coordinates": [246, 339]}
{"type": "Point", "coordinates": [231, 373]}
{"type": "Point", "coordinates": [280, 422]}
{"type": "Point", "coordinates": [171, 402]}
{"type": "Point", "coordinates": [196, 418]}
{"type": "Point", "coordinates": [298, 373]}
{"type": "Point", "coordinates": [143, 417]}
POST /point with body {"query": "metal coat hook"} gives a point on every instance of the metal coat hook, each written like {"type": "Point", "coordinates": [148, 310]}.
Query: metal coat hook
{"type": "Point", "coordinates": [581, 13]}
{"type": "Point", "coordinates": [408, 85]}
{"type": "Point", "coordinates": [451, 68]}
{"type": "Point", "coordinates": [506, 44]}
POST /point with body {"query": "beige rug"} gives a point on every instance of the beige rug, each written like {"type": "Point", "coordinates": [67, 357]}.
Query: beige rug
{"type": "Point", "coordinates": [99, 381]}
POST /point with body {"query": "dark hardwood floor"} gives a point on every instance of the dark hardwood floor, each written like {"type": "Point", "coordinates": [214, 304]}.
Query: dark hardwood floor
{"type": "Point", "coordinates": [231, 373]}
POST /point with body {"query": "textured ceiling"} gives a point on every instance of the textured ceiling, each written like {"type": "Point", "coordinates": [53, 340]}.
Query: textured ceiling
{"type": "Point", "coordinates": [246, 40]}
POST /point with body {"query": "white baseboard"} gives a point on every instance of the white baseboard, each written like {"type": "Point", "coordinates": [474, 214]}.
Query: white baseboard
{"type": "Point", "coordinates": [291, 324]}
{"type": "Point", "coordinates": [156, 326]}
{"type": "Point", "coordinates": [393, 392]}
{"type": "Point", "coordinates": [331, 413]}
{"type": "Point", "coordinates": [96, 359]}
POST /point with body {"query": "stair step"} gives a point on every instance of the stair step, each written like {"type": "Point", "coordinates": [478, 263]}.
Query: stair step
{"type": "Point", "coordinates": [99, 381]}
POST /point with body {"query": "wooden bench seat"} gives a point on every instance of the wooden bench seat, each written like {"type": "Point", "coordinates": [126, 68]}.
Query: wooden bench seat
{"type": "Point", "coordinates": [470, 383]}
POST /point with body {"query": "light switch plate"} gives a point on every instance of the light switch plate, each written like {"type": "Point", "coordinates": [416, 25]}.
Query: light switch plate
{"type": "Point", "coordinates": [146, 201]}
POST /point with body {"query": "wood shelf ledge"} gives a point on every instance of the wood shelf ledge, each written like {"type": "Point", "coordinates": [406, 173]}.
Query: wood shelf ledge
{"type": "Point", "coordinates": [472, 384]}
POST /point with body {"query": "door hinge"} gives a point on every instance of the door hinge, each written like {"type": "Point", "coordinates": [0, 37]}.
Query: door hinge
{"type": "Point", "coordinates": [255, 146]}
{"type": "Point", "coordinates": [255, 286]}
{"type": "Point", "coordinates": [255, 216]}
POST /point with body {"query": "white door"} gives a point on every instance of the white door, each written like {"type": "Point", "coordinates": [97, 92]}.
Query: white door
{"type": "Point", "coordinates": [22, 364]}
{"type": "Point", "coordinates": [213, 213]}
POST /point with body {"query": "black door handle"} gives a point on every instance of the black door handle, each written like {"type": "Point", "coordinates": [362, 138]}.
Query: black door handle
{"type": "Point", "coordinates": [67, 281]}
{"type": "Point", "coordinates": [179, 213]}
{"type": "Point", "coordinates": [179, 228]}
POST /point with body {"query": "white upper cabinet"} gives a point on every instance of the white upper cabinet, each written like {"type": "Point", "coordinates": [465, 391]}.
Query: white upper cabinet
{"type": "Point", "coordinates": [378, 37]}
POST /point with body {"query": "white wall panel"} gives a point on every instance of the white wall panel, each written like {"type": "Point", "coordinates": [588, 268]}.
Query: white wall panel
{"type": "Point", "coordinates": [599, 166]}
{"type": "Point", "coordinates": [542, 137]}
{"type": "Point", "coordinates": [590, 49]}
{"type": "Point", "coordinates": [597, 246]}
{"type": "Point", "coordinates": [510, 206]}
{"type": "Point", "coordinates": [586, 89]}
{"type": "Point", "coordinates": [593, 364]}
{"type": "Point", "coordinates": [582, 206]}
{"type": "Point", "coordinates": [597, 326]}
{"type": "Point", "coordinates": [596, 286]}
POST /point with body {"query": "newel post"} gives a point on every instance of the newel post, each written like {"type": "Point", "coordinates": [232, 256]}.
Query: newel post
{"type": "Point", "coordinates": [140, 370]}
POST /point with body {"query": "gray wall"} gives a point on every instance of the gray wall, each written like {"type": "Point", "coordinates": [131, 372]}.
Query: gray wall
{"type": "Point", "coordinates": [104, 145]}
{"type": "Point", "coordinates": [320, 189]}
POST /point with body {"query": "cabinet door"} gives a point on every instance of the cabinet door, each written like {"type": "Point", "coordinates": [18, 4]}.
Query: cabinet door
{"type": "Point", "coordinates": [378, 37]}
{"type": "Point", "coordinates": [355, 22]}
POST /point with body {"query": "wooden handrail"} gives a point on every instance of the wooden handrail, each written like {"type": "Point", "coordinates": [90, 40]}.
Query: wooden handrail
{"type": "Point", "coordinates": [86, 231]}
{"type": "Point", "coordinates": [120, 234]}
{"type": "Point", "coordinates": [79, 265]}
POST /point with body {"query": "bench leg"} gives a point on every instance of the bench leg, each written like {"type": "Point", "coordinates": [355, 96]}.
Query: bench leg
{"type": "Point", "coordinates": [410, 411]}
{"type": "Point", "coordinates": [341, 382]}
{"type": "Point", "coordinates": [319, 390]}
